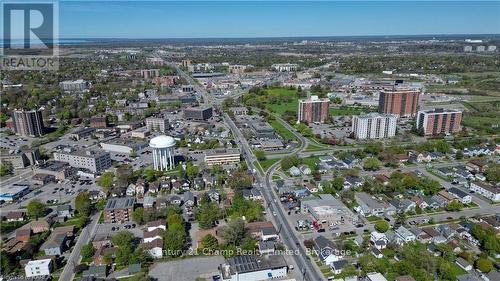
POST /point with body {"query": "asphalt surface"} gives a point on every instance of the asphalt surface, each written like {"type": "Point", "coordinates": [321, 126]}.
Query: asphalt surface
{"type": "Point", "coordinates": [74, 257]}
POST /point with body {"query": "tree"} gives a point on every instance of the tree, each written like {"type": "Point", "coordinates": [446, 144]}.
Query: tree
{"type": "Point", "coordinates": [371, 164]}
{"type": "Point", "coordinates": [83, 204]}
{"type": "Point", "coordinates": [493, 173]}
{"type": "Point", "coordinates": [234, 232]}
{"type": "Point", "coordinates": [175, 222]}
{"type": "Point", "coordinates": [174, 241]}
{"type": "Point", "coordinates": [138, 215]}
{"type": "Point", "coordinates": [191, 170]}
{"type": "Point", "coordinates": [6, 168]}
{"type": "Point", "coordinates": [207, 213]}
{"type": "Point", "coordinates": [338, 183]}
{"type": "Point", "coordinates": [454, 206]}
{"type": "Point", "coordinates": [36, 209]}
{"type": "Point", "coordinates": [209, 242]}
{"type": "Point", "coordinates": [260, 155]}
{"type": "Point", "coordinates": [484, 265]}
{"type": "Point", "coordinates": [382, 226]}
{"type": "Point", "coordinates": [106, 181]}
{"type": "Point", "coordinates": [289, 161]}
{"type": "Point", "coordinates": [88, 251]}
{"type": "Point", "coordinates": [122, 238]}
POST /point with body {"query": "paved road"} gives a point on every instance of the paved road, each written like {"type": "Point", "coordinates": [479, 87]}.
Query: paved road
{"type": "Point", "coordinates": [74, 257]}
{"type": "Point", "coordinates": [307, 268]}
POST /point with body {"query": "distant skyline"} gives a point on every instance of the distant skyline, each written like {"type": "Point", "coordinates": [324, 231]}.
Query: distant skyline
{"type": "Point", "coordinates": [239, 19]}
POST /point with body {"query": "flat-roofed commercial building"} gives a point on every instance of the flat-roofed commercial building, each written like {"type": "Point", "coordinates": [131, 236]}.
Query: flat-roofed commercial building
{"type": "Point", "coordinates": [118, 209]}
{"type": "Point", "coordinates": [374, 126]}
{"type": "Point", "coordinates": [77, 85]}
{"type": "Point", "coordinates": [28, 123]}
{"type": "Point", "coordinates": [123, 145]}
{"type": "Point", "coordinates": [313, 110]}
{"type": "Point", "coordinates": [94, 160]}
{"type": "Point", "coordinates": [60, 170]}
{"type": "Point", "coordinates": [198, 113]}
{"type": "Point", "coordinates": [157, 123]}
{"type": "Point", "coordinates": [222, 157]}
{"type": "Point", "coordinates": [20, 158]}
{"type": "Point", "coordinates": [38, 268]}
{"type": "Point", "coordinates": [403, 103]}
{"type": "Point", "coordinates": [439, 121]}
{"type": "Point", "coordinates": [248, 267]}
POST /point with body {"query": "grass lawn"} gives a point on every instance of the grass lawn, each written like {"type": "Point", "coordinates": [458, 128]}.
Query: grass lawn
{"type": "Point", "coordinates": [311, 162]}
{"type": "Point", "coordinates": [280, 94]}
{"type": "Point", "coordinates": [373, 218]}
{"type": "Point", "coordinates": [314, 147]}
{"type": "Point", "coordinates": [265, 164]}
{"type": "Point", "coordinates": [257, 165]}
{"type": "Point", "coordinates": [282, 131]}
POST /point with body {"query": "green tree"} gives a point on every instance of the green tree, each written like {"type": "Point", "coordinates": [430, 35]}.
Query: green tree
{"type": "Point", "coordinates": [122, 238]}
{"type": "Point", "coordinates": [484, 264]}
{"type": "Point", "coordinates": [371, 164]}
{"type": "Point", "coordinates": [382, 226]}
{"type": "Point", "coordinates": [6, 168]}
{"type": "Point", "coordinates": [174, 241]}
{"type": "Point", "coordinates": [83, 204]}
{"type": "Point", "coordinates": [191, 170]}
{"type": "Point", "coordinates": [289, 161]}
{"type": "Point", "coordinates": [106, 181]}
{"type": "Point", "coordinates": [87, 251]}
{"type": "Point", "coordinates": [234, 232]}
{"type": "Point", "coordinates": [138, 215]}
{"type": "Point", "coordinates": [493, 173]}
{"type": "Point", "coordinates": [454, 206]}
{"type": "Point", "coordinates": [36, 209]}
{"type": "Point", "coordinates": [209, 242]}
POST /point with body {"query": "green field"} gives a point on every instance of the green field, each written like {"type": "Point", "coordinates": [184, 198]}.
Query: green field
{"type": "Point", "coordinates": [282, 131]}
{"type": "Point", "coordinates": [282, 99]}
{"type": "Point", "coordinates": [310, 161]}
{"type": "Point", "coordinates": [265, 164]}
{"type": "Point", "coordinates": [483, 116]}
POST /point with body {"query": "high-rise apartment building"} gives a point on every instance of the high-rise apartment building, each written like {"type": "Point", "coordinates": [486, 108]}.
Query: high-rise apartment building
{"type": "Point", "coordinates": [157, 123]}
{"type": "Point", "coordinates": [28, 123]}
{"type": "Point", "coordinates": [374, 126]}
{"type": "Point", "coordinates": [312, 110]}
{"type": "Point", "coordinates": [403, 103]}
{"type": "Point", "coordinates": [439, 121]}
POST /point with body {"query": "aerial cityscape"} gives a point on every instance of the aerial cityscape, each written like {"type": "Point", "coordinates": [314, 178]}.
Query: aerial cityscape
{"type": "Point", "coordinates": [210, 141]}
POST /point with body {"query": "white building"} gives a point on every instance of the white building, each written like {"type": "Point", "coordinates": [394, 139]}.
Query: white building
{"type": "Point", "coordinates": [488, 191]}
{"type": "Point", "coordinates": [37, 268]}
{"type": "Point", "coordinates": [94, 160]}
{"type": "Point", "coordinates": [285, 67]}
{"type": "Point", "coordinates": [163, 152]}
{"type": "Point", "coordinates": [77, 85]}
{"type": "Point", "coordinates": [374, 126]}
{"type": "Point", "coordinates": [157, 124]}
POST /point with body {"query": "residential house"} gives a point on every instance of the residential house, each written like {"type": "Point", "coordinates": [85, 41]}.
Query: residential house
{"type": "Point", "coordinates": [251, 193]}
{"type": "Point", "coordinates": [267, 247]}
{"type": "Point", "coordinates": [338, 266]}
{"type": "Point", "coordinates": [311, 187]}
{"type": "Point", "coordinates": [15, 216]}
{"type": "Point", "coordinates": [39, 225]}
{"type": "Point", "coordinates": [155, 248]}
{"type": "Point", "coordinates": [463, 264]}
{"type": "Point", "coordinates": [378, 240]}
{"type": "Point", "coordinates": [403, 235]}
{"type": "Point", "coordinates": [268, 233]}
{"type": "Point", "coordinates": [149, 236]}
{"type": "Point", "coordinates": [38, 268]}
{"type": "Point", "coordinates": [305, 170]}
{"type": "Point", "coordinates": [419, 202]}
{"type": "Point", "coordinates": [460, 195]}
{"type": "Point", "coordinates": [376, 252]}
{"type": "Point", "coordinates": [352, 182]}
{"type": "Point", "coordinates": [294, 171]}
{"type": "Point", "coordinates": [214, 195]}
{"type": "Point", "coordinates": [148, 202]}
{"type": "Point", "coordinates": [189, 199]}
{"type": "Point", "coordinates": [489, 191]}
{"type": "Point", "coordinates": [327, 250]}
{"type": "Point", "coordinates": [64, 211]}
{"type": "Point", "coordinates": [477, 165]}
{"type": "Point", "coordinates": [369, 206]}
{"type": "Point", "coordinates": [435, 236]}
{"type": "Point", "coordinates": [175, 200]}
{"type": "Point", "coordinates": [404, 205]}
{"type": "Point", "coordinates": [55, 244]}
{"type": "Point", "coordinates": [157, 224]}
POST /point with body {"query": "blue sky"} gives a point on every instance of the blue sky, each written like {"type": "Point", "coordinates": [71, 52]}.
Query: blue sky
{"type": "Point", "coordinates": [190, 19]}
